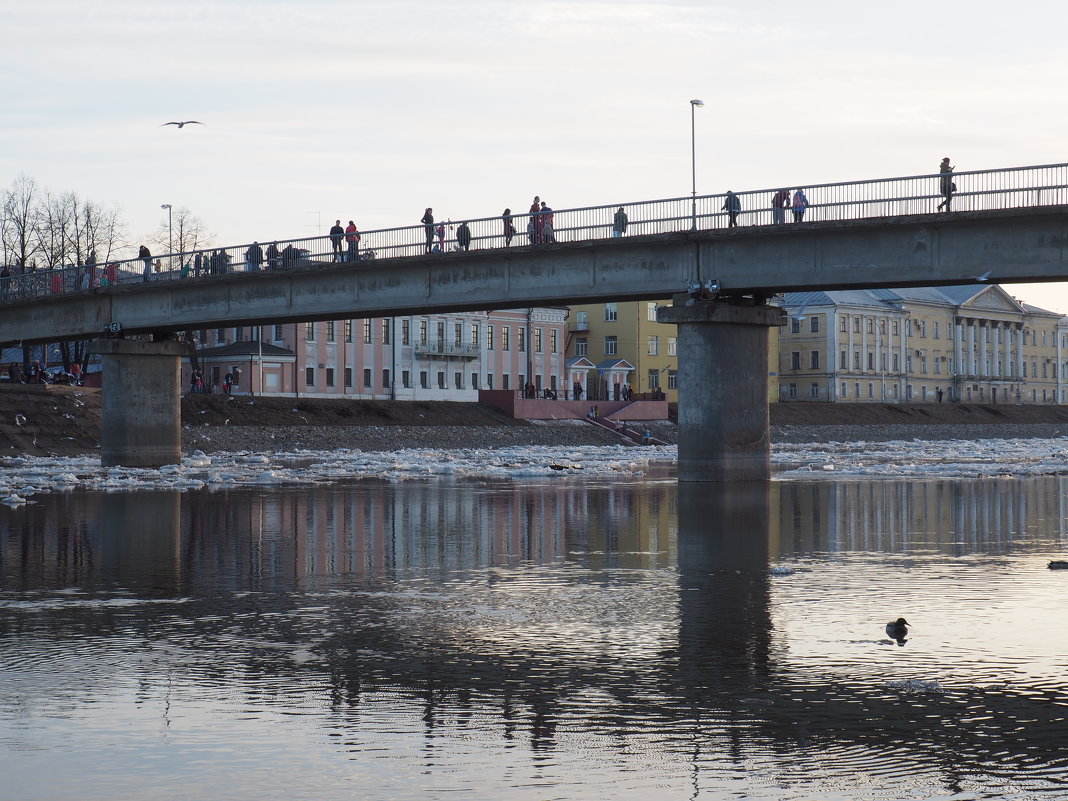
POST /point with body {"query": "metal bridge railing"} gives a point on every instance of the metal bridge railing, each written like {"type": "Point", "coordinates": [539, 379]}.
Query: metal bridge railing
{"type": "Point", "coordinates": [981, 190]}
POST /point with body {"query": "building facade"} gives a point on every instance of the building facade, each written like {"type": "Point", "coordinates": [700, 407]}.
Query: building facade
{"type": "Point", "coordinates": [432, 357]}
{"type": "Point", "coordinates": [606, 333]}
{"type": "Point", "coordinates": [968, 344]}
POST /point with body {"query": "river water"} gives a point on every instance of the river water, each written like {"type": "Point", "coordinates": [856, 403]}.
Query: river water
{"type": "Point", "coordinates": [570, 638]}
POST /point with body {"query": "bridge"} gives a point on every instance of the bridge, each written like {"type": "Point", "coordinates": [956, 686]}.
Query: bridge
{"type": "Point", "coordinates": [1006, 225]}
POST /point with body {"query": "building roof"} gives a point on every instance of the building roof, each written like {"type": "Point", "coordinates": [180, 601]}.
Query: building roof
{"type": "Point", "coordinates": [956, 295]}
{"type": "Point", "coordinates": [615, 364]}
{"type": "Point", "coordinates": [580, 362]}
{"type": "Point", "coordinates": [246, 348]}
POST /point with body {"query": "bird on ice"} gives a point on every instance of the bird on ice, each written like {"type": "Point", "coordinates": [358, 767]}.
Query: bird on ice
{"type": "Point", "coordinates": [184, 123]}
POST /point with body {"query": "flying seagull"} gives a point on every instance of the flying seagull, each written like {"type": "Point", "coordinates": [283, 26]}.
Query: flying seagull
{"type": "Point", "coordinates": [982, 278]}
{"type": "Point", "coordinates": [184, 123]}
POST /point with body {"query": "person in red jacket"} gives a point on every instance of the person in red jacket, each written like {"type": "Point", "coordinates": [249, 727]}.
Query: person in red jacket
{"type": "Point", "coordinates": [352, 236]}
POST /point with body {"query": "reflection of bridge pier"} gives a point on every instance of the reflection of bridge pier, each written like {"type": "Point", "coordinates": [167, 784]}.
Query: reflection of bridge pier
{"type": "Point", "coordinates": [723, 388]}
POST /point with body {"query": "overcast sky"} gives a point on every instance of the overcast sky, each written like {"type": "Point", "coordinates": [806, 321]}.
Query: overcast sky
{"type": "Point", "coordinates": [372, 111]}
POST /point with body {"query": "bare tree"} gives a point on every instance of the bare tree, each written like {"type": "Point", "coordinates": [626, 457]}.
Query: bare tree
{"type": "Point", "coordinates": [56, 227]}
{"type": "Point", "coordinates": [187, 232]}
{"type": "Point", "coordinates": [19, 218]}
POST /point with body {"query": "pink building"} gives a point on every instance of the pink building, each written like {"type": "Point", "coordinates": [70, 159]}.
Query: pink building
{"type": "Point", "coordinates": [430, 357]}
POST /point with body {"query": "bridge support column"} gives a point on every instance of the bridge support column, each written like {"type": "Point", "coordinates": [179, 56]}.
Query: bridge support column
{"type": "Point", "coordinates": [140, 404]}
{"type": "Point", "coordinates": [723, 388]}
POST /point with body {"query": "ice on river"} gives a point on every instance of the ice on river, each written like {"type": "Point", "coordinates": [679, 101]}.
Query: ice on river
{"type": "Point", "coordinates": [22, 478]}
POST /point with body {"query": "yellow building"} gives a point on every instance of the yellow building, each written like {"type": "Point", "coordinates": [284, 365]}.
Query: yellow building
{"type": "Point", "coordinates": [970, 344]}
{"type": "Point", "coordinates": [607, 333]}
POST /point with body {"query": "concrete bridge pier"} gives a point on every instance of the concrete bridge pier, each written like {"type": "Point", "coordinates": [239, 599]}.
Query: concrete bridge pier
{"type": "Point", "coordinates": [140, 406]}
{"type": "Point", "coordinates": [723, 387]}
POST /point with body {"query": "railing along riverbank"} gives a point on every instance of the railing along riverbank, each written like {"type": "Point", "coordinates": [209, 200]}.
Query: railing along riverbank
{"type": "Point", "coordinates": [980, 190]}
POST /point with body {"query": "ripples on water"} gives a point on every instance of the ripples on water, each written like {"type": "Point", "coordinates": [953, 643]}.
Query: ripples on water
{"type": "Point", "coordinates": [541, 640]}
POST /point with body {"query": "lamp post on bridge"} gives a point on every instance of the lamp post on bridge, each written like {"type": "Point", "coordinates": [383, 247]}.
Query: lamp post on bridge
{"type": "Point", "coordinates": [170, 237]}
{"type": "Point", "coordinates": [693, 161]}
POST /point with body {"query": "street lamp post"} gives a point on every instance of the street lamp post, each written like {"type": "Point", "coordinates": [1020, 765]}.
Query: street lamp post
{"type": "Point", "coordinates": [693, 161]}
{"type": "Point", "coordinates": [170, 237]}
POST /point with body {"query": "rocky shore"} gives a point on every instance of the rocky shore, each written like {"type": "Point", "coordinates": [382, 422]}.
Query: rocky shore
{"type": "Point", "coordinates": [42, 421]}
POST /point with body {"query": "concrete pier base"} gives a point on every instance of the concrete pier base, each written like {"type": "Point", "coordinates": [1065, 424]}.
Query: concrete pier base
{"type": "Point", "coordinates": [140, 404]}
{"type": "Point", "coordinates": [723, 388]}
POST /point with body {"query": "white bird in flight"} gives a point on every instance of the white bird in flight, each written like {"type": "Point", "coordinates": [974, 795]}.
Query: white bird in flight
{"type": "Point", "coordinates": [184, 122]}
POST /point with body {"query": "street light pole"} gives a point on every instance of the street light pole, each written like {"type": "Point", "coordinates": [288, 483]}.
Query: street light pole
{"type": "Point", "coordinates": [170, 237]}
{"type": "Point", "coordinates": [693, 161]}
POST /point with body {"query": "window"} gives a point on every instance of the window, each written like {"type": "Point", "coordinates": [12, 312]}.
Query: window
{"type": "Point", "coordinates": [458, 334]}
{"type": "Point", "coordinates": [791, 391]}
{"type": "Point", "coordinates": [795, 326]}
{"type": "Point", "coordinates": [475, 334]}
{"type": "Point", "coordinates": [489, 380]}
{"type": "Point", "coordinates": [580, 346]}
{"type": "Point", "coordinates": [654, 379]}
{"type": "Point", "coordinates": [871, 326]}
{"type": "Point", "coordinates": [406, 332]}
{"type": "Point", "coordinates": [814, 325]}
{"type": "Point", "coordinates": [489, 337]}
{"type": "Point", "coordinates": [908, 328]}
{"type": "Point", "coordinates": [387, 327]}
{"type": "Point", "coordinates": [609, 312]}
{"type": "Point", "coordinates": [330, 331]}
{"type": "Point", "coordinates": [278, 333]}
{"type": "Point", "coordinates": [441, 333]}
{"type": "Point", "coordinates": [580, 321]}
{"type": "Point", "coordinates": [673, 379]}
{"type": "Point", "coordinates": [552, 340]}
{"type": "Point", "coordinates": [882, 326]}
{"type": "Point", "coordinates": [520, 339]}
{"type": "Point", "coordinates": [871, 390]}
{"type": "Point", "coordinates": [406, 379]}
{"type": "Point", "coordinates": [856, 360]}
{"type": "Point", "coordinates": [309, 332]}
{"type": "Point", "coordinates": [506, 337]}
{"type": "Point", "coordinates": [894, 328]}
{"type": "Point", "coordinates": [654, 345]}
{"type": "Point", "coordinates": [239, 335]}
{"type": "Point", "coordinates": [441, 380]}
{"type": "Point", "coordinates": [923, 330]}
{"type": "Point", "coordinates": [423, 382]}
{"type": "Point", "coordinates": [897, 363]}
{"type": "Point", "coordinates": [673, 346]}
{"type": "Point", "coordinates": [856, 325]}
{"type": "Point", "coordinates": [220, 335]}
{"type": "Point", "coordinates": [422, 332]}
{"type": "Point", "coordinates": [813, 360]}
{"type": "Point", "coordinates": [537, 339]}
{"type": "Point", "coordinates": [368, 335]}
{"type": "Point", "coordinates": [506, 381]}
{"type": "Point", "coordinates": [795, 360]}
{"type": "Point", "coordinates": [348, 376]}
{"type": "Point", "coordinates": [843, 363]}
{"type": "Point", "coordinates": [309, 376]}
{"type": "Point", "coordinates": [348, 330]}
{"type": "Point", "coordinates": [458, 381]}
{"type": "Point", "coordinates": [650, 312]}
{"type": "Point", "coordinates": [813, 390]}
{"type": "Point", "coordinates": [330, 376]}
{"type": "Point", "coordinates": [367, 377]}
{"type": "Point", "coordinates": [937, 332]}
{"type": "Point", "coordinates": [843, 327]}
{"type": "Point", "coordinates": [474, 380]}
{"type": "Point", "coordinates": [385, 379]}
{"type": "Point", "coordinates": [871, 360]}
{"type": "Point", "coordinates": [845, 390]}
{"type": "Point", "coordinates": [609, 346]}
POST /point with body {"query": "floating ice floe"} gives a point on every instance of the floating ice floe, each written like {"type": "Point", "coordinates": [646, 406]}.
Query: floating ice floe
{"type": "Point", "coordinates": [22, 477]}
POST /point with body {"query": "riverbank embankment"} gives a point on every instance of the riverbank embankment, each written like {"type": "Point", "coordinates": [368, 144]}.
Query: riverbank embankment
{"type": "Point", "coordinates": [42, 421]}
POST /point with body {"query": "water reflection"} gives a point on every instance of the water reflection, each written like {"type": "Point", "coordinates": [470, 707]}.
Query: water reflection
{"type": "Point", "coordinates": [596, 627]}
